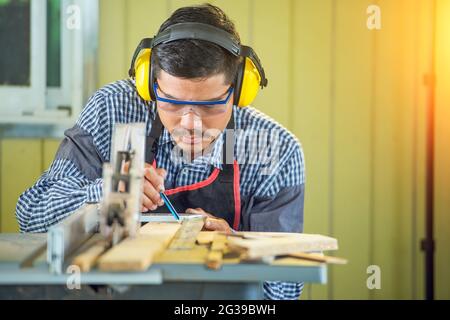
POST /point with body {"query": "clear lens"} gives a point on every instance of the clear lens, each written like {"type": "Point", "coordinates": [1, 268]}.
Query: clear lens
{"type": "Point", "coordinates": [200, 110]}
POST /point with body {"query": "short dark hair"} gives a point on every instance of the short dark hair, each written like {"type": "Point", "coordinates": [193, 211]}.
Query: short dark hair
{"type": "Point", "coordinates": [191, 58]}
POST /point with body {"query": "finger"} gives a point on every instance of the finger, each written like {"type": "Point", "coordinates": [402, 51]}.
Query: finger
{"type": "Point", "coordinates": [126, 166]}
{"type": "Point", "coordinates": [152, 194]}
{"type": "Point", "coordinates": [154, 178]}
{"type": "Point", "coordinates": [192, 211]}
{"type": "Point", "coordinates": [213, 224]}
{"type": "Point", "coordinates": [199, 211]}
{"type": "Point", "coordinates": [148, 203]}
{"type": "Point", "coordinates": [161, 172]}
{"type": "Point", "coordinates": [121, 186]}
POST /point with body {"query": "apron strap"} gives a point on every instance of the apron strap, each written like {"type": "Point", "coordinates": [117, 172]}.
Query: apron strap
{"type": "Point", "coordinates": [152, 139]}
{"type": "Point", "coordinates": [228, 157]}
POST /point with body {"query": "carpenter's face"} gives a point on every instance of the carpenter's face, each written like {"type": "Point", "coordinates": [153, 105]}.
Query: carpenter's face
{"type": "Point", "coordinates": [193, 127]}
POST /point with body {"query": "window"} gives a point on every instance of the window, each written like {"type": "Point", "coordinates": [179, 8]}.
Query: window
{"type": "Point", "coordinates": [47, 59]}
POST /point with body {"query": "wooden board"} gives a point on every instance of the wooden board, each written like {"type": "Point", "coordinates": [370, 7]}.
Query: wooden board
{"type": "Point", "coordinates": [214, 259]}
{"type": "Point", "coordinates": [87, 259]}
{"type": "Point", "coordinates": [205, 237]}
{"type": "Point", "coordinates": [219, 242]}
{"type": "Point", "coordinates": [137, 254]}
{"type": "Point", "coordinates": [256, 245]}
{"type": "Point", "coordinates": [196, 255]}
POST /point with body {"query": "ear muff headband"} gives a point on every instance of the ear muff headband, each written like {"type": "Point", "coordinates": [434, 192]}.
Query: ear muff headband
{"type": "Point", "coordinates": [250, 75]}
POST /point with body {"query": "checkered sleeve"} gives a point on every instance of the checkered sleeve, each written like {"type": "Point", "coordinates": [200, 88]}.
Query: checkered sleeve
{"type": "Point", "coordinates": [58, 192]}
{"type": "Point", "coordinates": [64, 187]}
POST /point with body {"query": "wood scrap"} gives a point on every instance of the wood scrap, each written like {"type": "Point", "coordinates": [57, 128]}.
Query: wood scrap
{"type": "Point", "coordinates": [205, 237]}
{"type": "Point", "coordinates": [318, 257]}
{"type": "Point", "coordinates": [219, 243]}
{"type": "Point", "coordinates": [252, 246]}
{"type": "Point", "coordinates": [214, 259]}
{"type": "Point", "coordinates": [196, 255]}
{"type": "Point", "coordinates": [29, 260]}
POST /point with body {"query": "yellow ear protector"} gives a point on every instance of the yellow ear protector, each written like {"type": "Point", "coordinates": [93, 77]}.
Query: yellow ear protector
{"type": "Point", "coordinates": [250, 75]}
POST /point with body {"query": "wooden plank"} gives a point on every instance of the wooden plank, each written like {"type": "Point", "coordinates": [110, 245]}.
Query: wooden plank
{"type": "Point", "coordinates": [290, 261]}
{"type": "Point", "coordinates": [219, 243]}
{"type": "Point", "coordinates": [258, 247]}
{"type": "Point", "coordinates": [138, 253]}
{"type": "Point", "coordinates": [214, 259]}
{"type": "Point", "coordinates": [318, 257]}
{"type": "Point", "coordinates": [196, 255]}
{"type": "Point", "coordinates": [17, 247]}
{"type": "Point", "coordinates": [159, 228]}
{"type": "Point", "coordinates": [131, 254]}
{"type": "Point", "coordinates": [205, 237]}
{"type": "Point", "coordinates": [87, 260]}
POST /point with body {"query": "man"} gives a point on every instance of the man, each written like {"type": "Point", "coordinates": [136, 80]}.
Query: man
{"type": "Point", "coordinates": [195, 101]}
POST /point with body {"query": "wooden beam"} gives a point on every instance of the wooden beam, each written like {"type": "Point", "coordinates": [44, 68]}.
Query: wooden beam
{"type": "Point", "coordinates": [138, 253]}
{"type": "Point", "coordinates": [205, 237]}
{"type": "Point", "coordinates": [254, 245]}
{"type": "Point", "coordinates": [318, 257]}
{"type": "Point", "coordinates": [86, 260]}
{"type": "Point", "coordinates": [214, 259]}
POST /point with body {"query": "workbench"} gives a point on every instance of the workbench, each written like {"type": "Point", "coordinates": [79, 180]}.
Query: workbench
{"type": "Point", "coordinates": [160, 281]}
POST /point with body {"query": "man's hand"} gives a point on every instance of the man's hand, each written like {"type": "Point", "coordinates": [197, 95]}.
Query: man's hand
{"type": "Point", "coordinates": [212, 223]}
{"type": "Point", "coordinates": [153, 184]}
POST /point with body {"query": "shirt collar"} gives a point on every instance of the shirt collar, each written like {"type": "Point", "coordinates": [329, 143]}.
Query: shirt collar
{"type": "Point", "coordinates": [165, 137]}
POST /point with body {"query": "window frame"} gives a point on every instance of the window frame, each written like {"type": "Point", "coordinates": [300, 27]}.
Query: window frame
{"type": "Point", "coordinates": [39, 103]}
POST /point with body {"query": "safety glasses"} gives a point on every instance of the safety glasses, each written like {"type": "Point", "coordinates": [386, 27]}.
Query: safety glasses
{"type": "Point", "coordinates": [200, 108]}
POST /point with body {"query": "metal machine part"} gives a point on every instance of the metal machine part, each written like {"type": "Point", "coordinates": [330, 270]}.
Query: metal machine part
{"type": "Point", "coordinates": [68, 235]}
{"type": "Point", "coordinates": [119, 212]}
{"type": "Point", "coordinates": [122, 183]}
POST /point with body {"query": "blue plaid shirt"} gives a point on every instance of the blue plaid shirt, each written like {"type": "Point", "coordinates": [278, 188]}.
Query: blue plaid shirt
{"type": "Point", "coordinates": [65, 187]}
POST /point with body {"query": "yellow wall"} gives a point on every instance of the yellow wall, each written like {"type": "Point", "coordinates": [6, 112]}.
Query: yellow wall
{"type": "Point", "coordinates": [442, 154]}
{"type": "Point", "coordinates": [21, 163]}
{"type": "Point", "coordinates": [356, 99]}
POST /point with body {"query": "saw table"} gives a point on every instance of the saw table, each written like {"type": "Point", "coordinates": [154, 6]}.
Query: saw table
{"type": "Point", "coordinates": [171, 276]}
